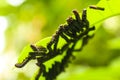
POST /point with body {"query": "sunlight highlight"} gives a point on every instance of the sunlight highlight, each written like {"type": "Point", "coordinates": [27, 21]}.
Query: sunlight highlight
{"type": "Point", "coordinates": [7, 62]}
{"type": "Point", "coordinates": [111, 24]}
{"type": "Point", "coordinates": [3, 26]}
{"type": "Point", "coordinates": [3, 61]}
{"type": "Point", "coordinates": [15, 2]}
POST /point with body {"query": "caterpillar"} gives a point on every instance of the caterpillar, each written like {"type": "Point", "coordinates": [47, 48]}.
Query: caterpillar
{"type": "Point", "coordinates": [75, 30]}
{"type": "Point", "coordinates": [96, 7]}
{"type": "Point", "coordinates": [59, 67]}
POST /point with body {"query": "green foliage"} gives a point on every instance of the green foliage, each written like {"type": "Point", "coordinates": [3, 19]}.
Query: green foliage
{"type": "Point", "coordinates": [111, 9]}
{"type": "Point", "coordinates": [94, 17]}
{"type": "Point", "coordinates": [28, 49]}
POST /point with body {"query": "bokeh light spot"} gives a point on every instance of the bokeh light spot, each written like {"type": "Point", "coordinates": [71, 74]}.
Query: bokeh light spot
{"type": "Point", "coordinates": [15, 2]}
{"type": "Point", "coordinates": [3, 26]}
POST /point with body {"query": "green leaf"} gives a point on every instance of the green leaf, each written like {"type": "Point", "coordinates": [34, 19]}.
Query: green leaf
{"type": "Point", "coordinates": [94, 17]}
{"type": "Point", "coordinates": [111, 9]}
{"type": "Point", "coordinates": [43, 42]}
{"type": "Point", "coordinates": [114, 43]}
{"type": "Point", "coordinates": [27, 48]}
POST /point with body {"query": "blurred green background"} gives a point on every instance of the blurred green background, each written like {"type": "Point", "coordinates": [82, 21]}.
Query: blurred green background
{"type": "Point", "coordinates": [27, 21]}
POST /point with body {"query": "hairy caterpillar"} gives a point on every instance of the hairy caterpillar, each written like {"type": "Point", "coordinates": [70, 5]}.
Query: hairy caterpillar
{"type": "Point", "coordinates": [75, 30]}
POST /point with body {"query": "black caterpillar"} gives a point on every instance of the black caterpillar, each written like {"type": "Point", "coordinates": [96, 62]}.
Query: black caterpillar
{"type": "Point", "coordinates": [75, 30]}
{"type": "Point", "coordinates": [59, 67]}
